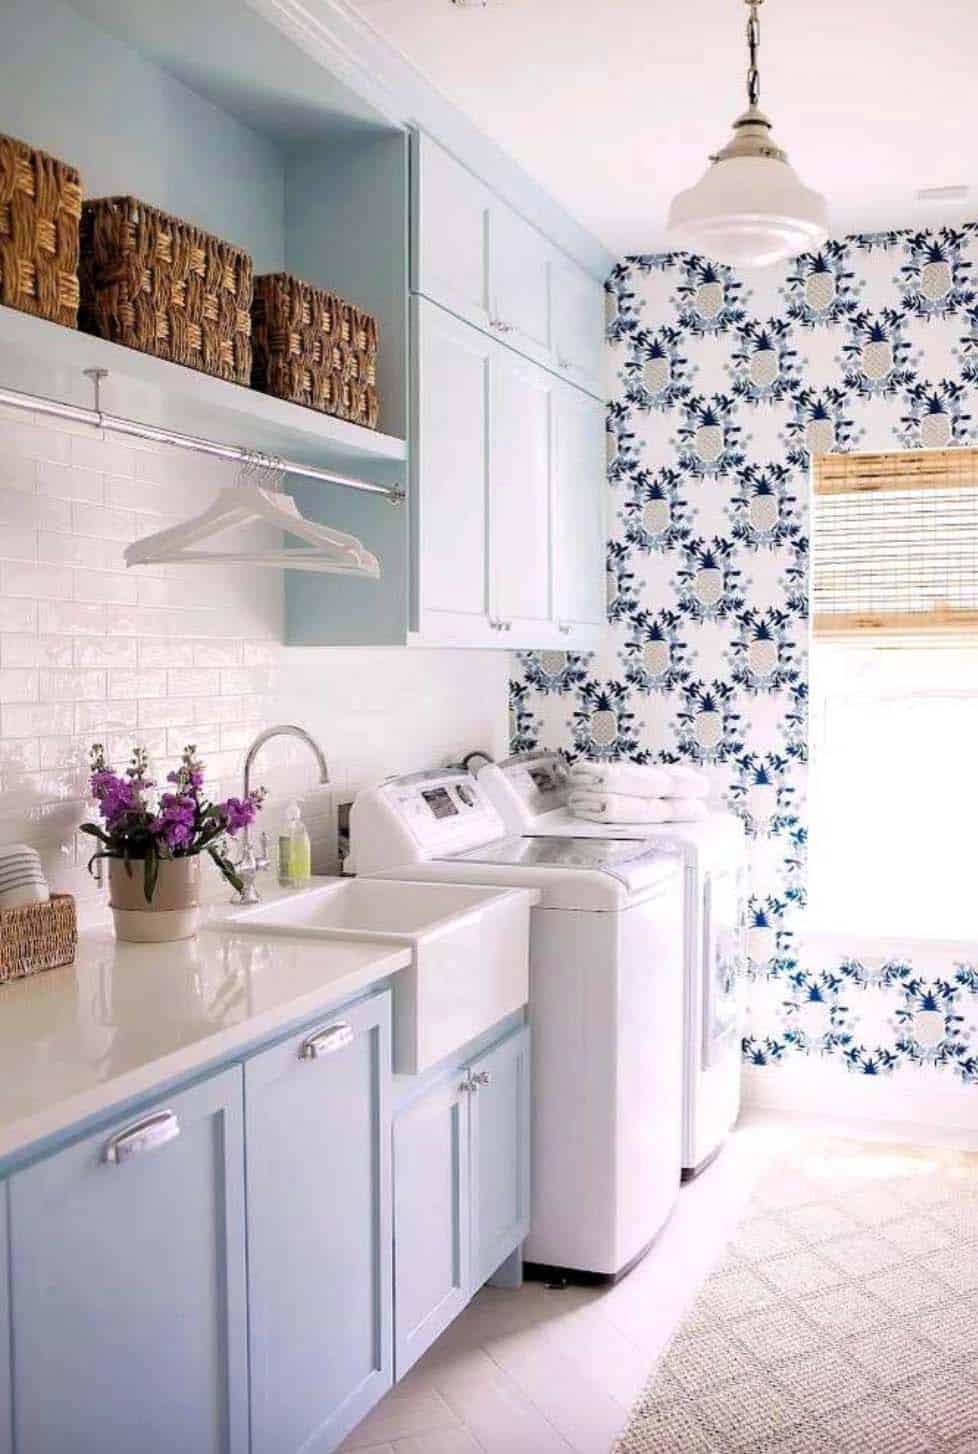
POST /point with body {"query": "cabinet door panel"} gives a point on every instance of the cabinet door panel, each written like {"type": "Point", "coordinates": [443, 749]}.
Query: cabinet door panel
{"type": "Point", "coordinates": [519, 286]}
{"type": "Point", "coordinates": [580, 493]}
{"type": "Point", "coordinates": [500, 1115]}
{"type": "Point", "coordinates": [451, 228]}
{"type": "Point", "coordinates": [431, 1217]}
{"type": "Point", "coordinates": [519, 497]}
{"type": "Point", "coordinates": [451, 476]}
{"type": "Point", "coordinates": [577, 323]}
{"type": "Point", "coordinates": [6, 1429]}
{"type": "Point", "coordinates": [128, 1288]}
{"type": "Point", "coordinates": [319, 1231]}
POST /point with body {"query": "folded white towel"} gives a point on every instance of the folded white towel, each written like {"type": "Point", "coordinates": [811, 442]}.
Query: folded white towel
{"type": "Point", "coordinates": [618, 808]}
{"type": "Point", "coordinates": [635, 780]}
{"type": "Point", "coordinates": [22, 878]}
{"type": "Point", "coordinates": [622, 808]}
{"type": "Point", "coordinates": [27, 893]}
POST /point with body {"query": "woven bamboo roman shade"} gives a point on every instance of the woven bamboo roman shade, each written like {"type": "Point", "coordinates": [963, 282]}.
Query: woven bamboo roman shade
{"type": "Point", "coordinates": [895, 544]}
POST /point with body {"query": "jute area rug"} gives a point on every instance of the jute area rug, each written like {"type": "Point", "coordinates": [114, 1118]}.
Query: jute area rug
{"type": "Point", "coordinates": [843, 1316]}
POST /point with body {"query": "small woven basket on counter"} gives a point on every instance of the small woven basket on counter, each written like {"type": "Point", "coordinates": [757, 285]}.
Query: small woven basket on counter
{"type": "Point", "coordinates": [37, 937]}
{"type": "Point", "coordinates": [40, 209]}
{"type": "Point", "coordinates": [312, 348]}
{"type": "Point", "coordinates": [163, 286]}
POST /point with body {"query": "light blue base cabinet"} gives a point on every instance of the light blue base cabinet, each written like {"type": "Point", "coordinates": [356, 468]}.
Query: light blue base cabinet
{"type": "Point", "coordinates": [6, 1412]}
{"type": "Point", "coordinates": [431, 1216]}
{"type": "Point", "coordinates": [462, 1190]}
{"type": "Point", "coordinates": [127, 1257]}
{"type": "Point", "coordinates": [319, 1230]}
{"type": "Point", "coordinates": [500, 1150]}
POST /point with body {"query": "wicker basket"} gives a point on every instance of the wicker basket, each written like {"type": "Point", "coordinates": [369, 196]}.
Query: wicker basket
{"type": "Point", "coordinates": [36, 937]}
{"type": "Point", "coordinates": [312, 348]}
{"type": "Point", "coordinates": [40, 208]}
{"type": "Point", "coordinates": [163, 286]}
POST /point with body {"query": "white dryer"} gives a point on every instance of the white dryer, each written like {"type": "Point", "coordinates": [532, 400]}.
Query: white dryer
{"type": "Point", "coordinates": [530, 791]}
{"type": "Point", "coordinates": [606, 1005]}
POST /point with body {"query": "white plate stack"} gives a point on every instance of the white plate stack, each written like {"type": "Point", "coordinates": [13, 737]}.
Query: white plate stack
{"type": "Point", "coordinates": [22, 878]}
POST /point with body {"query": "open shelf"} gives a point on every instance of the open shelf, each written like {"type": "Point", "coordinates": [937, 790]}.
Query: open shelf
{"type": "Point", "coordinates": [37, 357]}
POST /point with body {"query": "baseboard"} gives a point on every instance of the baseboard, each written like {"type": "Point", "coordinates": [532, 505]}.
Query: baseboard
{"type": "Point", "coordinates": [921, 1104]}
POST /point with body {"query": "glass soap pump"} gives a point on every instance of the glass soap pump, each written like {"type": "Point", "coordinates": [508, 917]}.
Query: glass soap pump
{"type": "Point", "coordinates": [294, 850]}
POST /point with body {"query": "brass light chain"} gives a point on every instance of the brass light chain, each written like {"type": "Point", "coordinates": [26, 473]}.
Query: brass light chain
{"type": "Point", "coordinates": [753, 46]}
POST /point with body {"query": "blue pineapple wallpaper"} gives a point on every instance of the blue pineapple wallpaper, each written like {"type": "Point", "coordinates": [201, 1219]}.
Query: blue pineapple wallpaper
{"type": "Point", "coordinates": [722, 387]}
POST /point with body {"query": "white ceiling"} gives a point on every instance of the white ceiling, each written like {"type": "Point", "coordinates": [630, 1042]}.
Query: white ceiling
{"type": "Point", "coordinates": [614, 105]}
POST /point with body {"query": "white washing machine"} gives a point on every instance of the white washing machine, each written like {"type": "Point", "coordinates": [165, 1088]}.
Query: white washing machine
{"type": "Point", "coordinates": [606, 1005]}
{"type": "Point", "coordinates": [530, 792]}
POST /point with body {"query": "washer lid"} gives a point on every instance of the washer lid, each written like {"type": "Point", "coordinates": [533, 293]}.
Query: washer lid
{"type": "Point", "coordinates": [635, 863]}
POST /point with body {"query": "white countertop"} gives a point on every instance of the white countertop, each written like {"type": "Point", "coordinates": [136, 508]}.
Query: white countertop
{"type": "Point", "coordinates": [127, 1017]}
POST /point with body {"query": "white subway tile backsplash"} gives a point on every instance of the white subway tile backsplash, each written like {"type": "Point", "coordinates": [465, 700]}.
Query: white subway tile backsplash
{"type": "Point", "coordinates": [99, 520]}
{"type": "Point", "coordinates": [66, 483]}
{"type": "Point", "coordinates": [17, 685]}
{"type": "Point", "coordinates": [36, 720]}
{"type": "Point", "coordinates": [17, 543]}
{"type": "Point", "coordinates": [70, 618]}
{"type": "Point", "coordinates": [108, 586]}
{"type": "Point", "coordinates": [121, 651]}
{"type": "Point", "coordinates": [104, 717]}
{"type": "Point", "coordinates": [171, 655]}
{"type": "Point", "coordinates": [72, 686]}
{"type": "Point", "coordinates": [137, 683]}
{"type": "Point", "coordinates": [23, 578]}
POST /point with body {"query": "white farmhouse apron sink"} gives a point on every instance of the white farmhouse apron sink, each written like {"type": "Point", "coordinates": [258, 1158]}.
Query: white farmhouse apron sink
{"type": "Point", "coordinates": [470, 951]}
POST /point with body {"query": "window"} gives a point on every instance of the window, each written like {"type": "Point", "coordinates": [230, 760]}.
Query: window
{"type": "Point", "coordinates": [894, 777]}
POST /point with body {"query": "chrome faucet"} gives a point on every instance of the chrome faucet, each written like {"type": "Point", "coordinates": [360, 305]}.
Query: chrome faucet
{"type": "Point", "coordinates": [250, 864]}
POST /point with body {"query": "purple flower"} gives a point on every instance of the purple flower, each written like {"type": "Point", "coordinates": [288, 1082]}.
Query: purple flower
{"type": "Point", "coordinates": [174, 823]}
{"type": "Point", "coordinates": [117, 797]}
{"type": "Point", "coordinates": [239, 813]}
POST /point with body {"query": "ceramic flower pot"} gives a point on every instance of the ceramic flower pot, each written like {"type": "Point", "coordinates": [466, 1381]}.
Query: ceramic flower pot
{"type": "Point", "coordinates": [174, 912]}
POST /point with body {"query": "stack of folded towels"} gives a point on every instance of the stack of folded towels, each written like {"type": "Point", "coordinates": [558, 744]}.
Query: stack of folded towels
{"type": "Point", "coordinates": [623, 792]}
{"type": "Point", "coordinates": [22, 878]}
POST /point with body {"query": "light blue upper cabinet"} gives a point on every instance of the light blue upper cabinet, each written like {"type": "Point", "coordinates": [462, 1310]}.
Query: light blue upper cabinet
{"type": "Point", "coordinates": [128, 1285]}
{"type": "Point", "coordinates": [450, 231]}
{"type": "Point", "coordinates": [319, 1230]}
{"type": "Point", "coordinates": [6, 1412]}
{"type": "Point", "coordinates": [580, 496]}
{"type": "Point", "coordinates": [500, 1149]}
{"type": "Point", "coordinates": [520, 506]}
{"type": "Point", "coordinates": [476, 256]}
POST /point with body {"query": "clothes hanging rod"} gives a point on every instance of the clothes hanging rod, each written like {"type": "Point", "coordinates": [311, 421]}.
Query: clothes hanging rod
{"type": "Point", "coordinates": [115, 424]}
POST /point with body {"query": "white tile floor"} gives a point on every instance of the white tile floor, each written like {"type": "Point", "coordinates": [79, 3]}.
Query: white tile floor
{"type": "Point", "coordinates": [547, 1372]}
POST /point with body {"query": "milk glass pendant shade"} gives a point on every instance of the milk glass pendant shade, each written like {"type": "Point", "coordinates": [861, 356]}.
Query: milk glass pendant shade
{"type": "Point", "coordinates": [750, 208]}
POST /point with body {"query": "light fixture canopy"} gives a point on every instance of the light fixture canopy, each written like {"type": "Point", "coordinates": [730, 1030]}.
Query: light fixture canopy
{"type": "Point", "coordinates": [750, 208]}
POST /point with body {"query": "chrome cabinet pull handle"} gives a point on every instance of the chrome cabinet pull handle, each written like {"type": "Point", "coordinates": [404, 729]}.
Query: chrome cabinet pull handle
{"type": "Point", "coordinates": [495, 624]}
{"type": "Point", "coordinates": [146, 1135]}
{"type": "Point", "coordinates": [325, 1042]}
{"type": "Point", "coordinates": [481, 1078]}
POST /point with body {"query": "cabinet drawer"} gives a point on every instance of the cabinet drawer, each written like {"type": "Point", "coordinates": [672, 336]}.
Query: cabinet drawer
{"type": "Point", "coordinates": [319, 1230]}
{"type": "Point", "coordinates": [128, 1285]}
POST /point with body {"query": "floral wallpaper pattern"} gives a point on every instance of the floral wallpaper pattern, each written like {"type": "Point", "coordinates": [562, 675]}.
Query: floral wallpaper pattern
{"type": "Point", "coordinates": [723, 387]}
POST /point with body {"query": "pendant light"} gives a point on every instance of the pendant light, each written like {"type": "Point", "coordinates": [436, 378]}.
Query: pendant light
{"type": "Point", "coordinates": [750, 208]}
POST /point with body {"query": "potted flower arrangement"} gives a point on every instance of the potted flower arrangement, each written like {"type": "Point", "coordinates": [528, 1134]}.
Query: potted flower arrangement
{"type": "Point", "coordinates": [153, 840]}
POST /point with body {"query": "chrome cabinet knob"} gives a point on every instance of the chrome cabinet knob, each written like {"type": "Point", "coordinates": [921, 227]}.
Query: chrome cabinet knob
{"type": "Point", "coordinates": [564, 628]}
{"type": "Point", "coordinates": [481, 1078]}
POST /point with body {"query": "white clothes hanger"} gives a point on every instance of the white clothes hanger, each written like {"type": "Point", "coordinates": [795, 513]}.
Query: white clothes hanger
{"type": "Point", "coordinates": [325, 550]}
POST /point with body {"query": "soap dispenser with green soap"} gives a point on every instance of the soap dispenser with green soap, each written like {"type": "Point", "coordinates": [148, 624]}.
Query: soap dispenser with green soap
{"type": "Point", "coordinates": [294, 850]}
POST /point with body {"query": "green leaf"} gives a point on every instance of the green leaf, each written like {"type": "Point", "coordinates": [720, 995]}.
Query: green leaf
{"type": "Point", "coordinates": [227, 869]}
{"type": "Point", "coordinates": [95, 858]}
{"type": "Point", "coordinates": [151, 872]}
{"type": "Point", "coordinates": [95, 831]}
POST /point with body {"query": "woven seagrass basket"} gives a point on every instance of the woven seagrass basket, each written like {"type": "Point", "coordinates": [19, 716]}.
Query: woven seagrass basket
{"type": "Point", "coordinates": [37, 937]}
{"type": "Point", "coordinates": [313, 349]}
{"type": "Point", "coordinates": [40, 208]}
{"type": "Point", "coordinates": [163, 286]}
